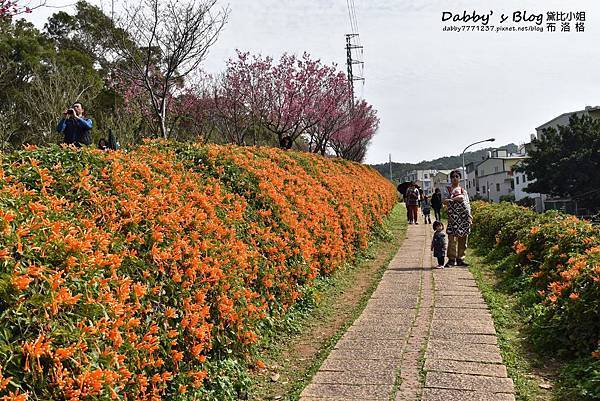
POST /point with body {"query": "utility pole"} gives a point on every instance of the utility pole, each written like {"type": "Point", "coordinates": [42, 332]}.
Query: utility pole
{"type": "Point", "coordinates": [350, 62]}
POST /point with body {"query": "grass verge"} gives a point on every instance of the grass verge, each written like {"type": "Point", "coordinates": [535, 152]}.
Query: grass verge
{"type": "Point", "coordinates": [533, 376]}
{"type": "Point", "coordinates": [303, 339]}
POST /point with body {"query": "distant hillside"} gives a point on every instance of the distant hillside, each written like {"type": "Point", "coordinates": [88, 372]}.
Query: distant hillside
{"type": "Point", "coordinates": [443, 163]}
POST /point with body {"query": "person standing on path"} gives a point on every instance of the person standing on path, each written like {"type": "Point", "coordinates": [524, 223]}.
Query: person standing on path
{"type": "Point", "coordinates": [412, 203]}
{"type": "Point", "coordinates": [426, 209]}
{"type": "Point", "coordinates": [459, 221]}
{"type": "Point", "coordinates": [439, 244]}
{"type": "Point", "coordinates": [436, 204]}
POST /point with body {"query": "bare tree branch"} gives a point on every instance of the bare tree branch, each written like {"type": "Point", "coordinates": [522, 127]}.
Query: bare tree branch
{"type": "Point", "coordinates": [174, 38]}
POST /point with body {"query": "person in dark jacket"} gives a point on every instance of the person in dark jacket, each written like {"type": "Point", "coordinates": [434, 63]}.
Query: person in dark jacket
{"type": "Point", "coordinates": [436, 204]}
{"type": "Point", "coordinates": [439, 243]}
{"type": "Point", "coordinates": [426, 209]}
{"type": "Point", "coordinates": [412, 203]}
{"type": "Point", "coordinates": [75, 127]}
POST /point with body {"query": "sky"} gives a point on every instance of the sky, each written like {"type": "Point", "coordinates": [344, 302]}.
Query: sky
{"type": "Point", "coordinates": [435, 91]}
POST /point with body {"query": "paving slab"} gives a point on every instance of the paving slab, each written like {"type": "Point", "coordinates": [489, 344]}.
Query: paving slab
{"type": "Point", "coordinates": [449, 304]}
{"type": "Point", "coordinates": [366, 353]}
{"type": "Point", "coordinates": [361, 365]}
{"type": "Point", "coordinates": [466, 295]}
{"type": "Point", "coordinates": [445, 284]}
{"type": "Point", "coordinates": [342, 399]}
{"type": "Point", "coordinates": [349, 391]}
{"type": "Point", "coordinates": [372, 319]}
{"type": "Point", "coordinates": [384, 311]}
{"type": "Point", "coordinates": [463, 354]}
{"type": "Point", "coordinates": [465, 367]}
{"type": "Point", "coordinates": [465, 338]}
{"type": "Point", "coordinates": [372, 333]}
{"type": "Point", "coordinates": [464, 326]}
{"type": "Point", "coordinates": [437, 394]}
{"type": "Point", "coordinates": [461, 313]}
{"type": "Point", "coordinates": [458, 381]}
{"type": "Point", "coordinates": [452, 345]}
{"type": "Point", "coordinates": [353, 342]}
{"type": "Point", "coordinates": [351, 377]}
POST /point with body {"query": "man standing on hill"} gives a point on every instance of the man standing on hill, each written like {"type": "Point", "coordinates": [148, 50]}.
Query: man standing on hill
{"type": "Point", "coordinates": [75, 127]}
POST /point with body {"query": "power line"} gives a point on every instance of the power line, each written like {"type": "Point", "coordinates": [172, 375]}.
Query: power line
{"type": "Point", "coordinates": [353, 29]}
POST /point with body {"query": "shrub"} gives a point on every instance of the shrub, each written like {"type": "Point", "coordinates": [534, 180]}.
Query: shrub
{"type": "Point", "coordinates": [151, 274]}
{"type": "Point", "coordinates": [558, 257]}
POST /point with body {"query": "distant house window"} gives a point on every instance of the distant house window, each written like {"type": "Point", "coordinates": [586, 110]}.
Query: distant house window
{"type": "Point", "coordinates": [517, 179]}
{"type": "Point", "coordinates": [425, 176]}
{"type": "Point", "coordinates": [483, 189]}
{"type": "Point", "coordinates": [497, 187]}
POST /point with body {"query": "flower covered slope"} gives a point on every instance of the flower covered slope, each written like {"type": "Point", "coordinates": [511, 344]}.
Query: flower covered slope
{"type": "Point", "coordinates": [134, 276]}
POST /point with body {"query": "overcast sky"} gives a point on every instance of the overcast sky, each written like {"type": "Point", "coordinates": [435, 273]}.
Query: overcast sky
{"type": "Point", "coordinates": [435, 91]}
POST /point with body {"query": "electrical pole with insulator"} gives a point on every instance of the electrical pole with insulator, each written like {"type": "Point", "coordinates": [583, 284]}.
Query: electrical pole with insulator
{"type": "Point", "coordinates": [350, 62]}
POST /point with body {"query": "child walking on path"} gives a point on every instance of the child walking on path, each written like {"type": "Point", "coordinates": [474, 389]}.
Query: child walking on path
{"type": "Point", "coordinates": [439, 243]}
{"type": "Point", "coordinates": [426, 208]}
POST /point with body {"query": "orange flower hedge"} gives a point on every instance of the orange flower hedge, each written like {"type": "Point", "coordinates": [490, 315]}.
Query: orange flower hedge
{"type": "Point", "coordinates": [554, 259]}
{"type": "Point", "coordinates": [149, 275]}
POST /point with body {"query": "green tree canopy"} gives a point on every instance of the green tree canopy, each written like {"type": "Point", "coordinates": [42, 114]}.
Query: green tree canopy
{"type": "Point", "coordinates": [566, 162]}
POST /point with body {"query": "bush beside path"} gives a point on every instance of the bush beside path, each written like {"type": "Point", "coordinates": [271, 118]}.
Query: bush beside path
{"type": "Point", "coordinates": [551, 263]}
{"type": "Point", "coordinates": [152, 274]}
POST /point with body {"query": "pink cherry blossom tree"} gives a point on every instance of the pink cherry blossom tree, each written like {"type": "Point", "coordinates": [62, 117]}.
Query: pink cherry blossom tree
{"type": "Point", "coordinates": [296, 100]}
{"type": "Point", "coordinates": [289, 98]}
{"type": "Point", "coordinates": [9, 8]}
{"type": "Point", "coordinates": [351, 142]}
{"type": "Point", "coordinates": [333, 115]}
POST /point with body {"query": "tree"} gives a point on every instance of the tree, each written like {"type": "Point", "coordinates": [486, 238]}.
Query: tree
{"type": "Point", "coordinates": [230, 106]}
{"type": "Point", "coordinates": [291, 99]}
{"type": "Point", "coordinates": [10, 8]}
{"type": "Point", "coordinates": [24, 53]}
{"type": "Point", "coordinates": [336, 112]}
{"type": "Point", "coordinates": [49, 94]}
{"type": "Point", "coordinates": [165, 42]}
{"type": "Point", "coordinates": [88, 36]}
{"type": "Point", "coordinates": [351, 142]}
{"type": "Point", "coordinates": [565, 162]}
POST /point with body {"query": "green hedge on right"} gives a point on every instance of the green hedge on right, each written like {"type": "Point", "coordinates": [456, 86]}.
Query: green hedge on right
{"type": "Point", "coordinates": [555, 258]}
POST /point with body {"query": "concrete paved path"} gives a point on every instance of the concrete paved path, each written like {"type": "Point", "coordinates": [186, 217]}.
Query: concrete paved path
{"type": "Point", "coordinates": [425, 334]}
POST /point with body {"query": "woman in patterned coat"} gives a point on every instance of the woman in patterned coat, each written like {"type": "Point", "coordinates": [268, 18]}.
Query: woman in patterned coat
{"type": "Point", "coordinates": [459, 221]}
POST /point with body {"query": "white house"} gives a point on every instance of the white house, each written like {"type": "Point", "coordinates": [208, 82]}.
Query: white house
{"type": "Point", "coordinates": [441, 180]}
{"type": "Point", "coordinates": [471, 183]}
{"type": "Point", "coordinates": [495, 174]}
{"type": "Point", "coordinates": [423, 178]}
